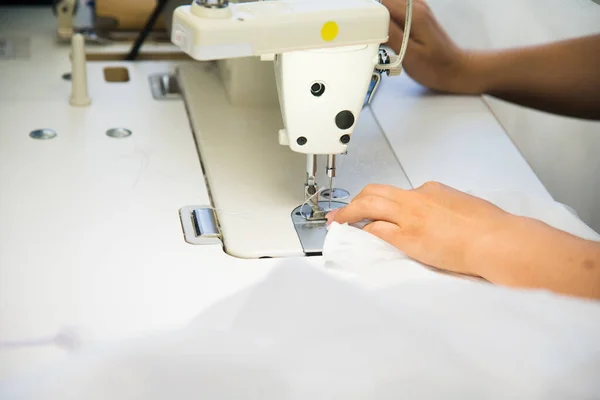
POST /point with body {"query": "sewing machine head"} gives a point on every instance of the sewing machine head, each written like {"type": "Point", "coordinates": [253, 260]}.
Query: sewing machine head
{"type": "Point", "coordinates": [324, 54]}
{"type": "Point", "coordinates": [321, 93]}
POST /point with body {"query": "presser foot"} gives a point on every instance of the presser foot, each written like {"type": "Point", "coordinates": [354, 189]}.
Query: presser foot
{"type": "Point", "coordinates": [317, 213]}
{"type": "Point", "coordinates": [312, 232]}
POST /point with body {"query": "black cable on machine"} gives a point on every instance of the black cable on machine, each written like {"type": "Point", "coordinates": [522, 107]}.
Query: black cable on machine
{"type": "Point", "coordinates": [135, 49]}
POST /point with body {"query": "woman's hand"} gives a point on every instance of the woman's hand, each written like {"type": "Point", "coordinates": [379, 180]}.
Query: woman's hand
{"type": "Point", "coordinates": [434, 224]}
{"type": "Point", "coordinates": [451, 230]}
{"type": "Point", "coordinates": [432, 58]}
{"type": "Point", "coordinates": [560, 77]}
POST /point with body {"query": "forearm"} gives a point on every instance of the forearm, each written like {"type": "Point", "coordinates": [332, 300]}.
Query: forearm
{"type": "Point", "coordinates": [528, 253]}
{"type": "Point", "coordinates": [561, 77]}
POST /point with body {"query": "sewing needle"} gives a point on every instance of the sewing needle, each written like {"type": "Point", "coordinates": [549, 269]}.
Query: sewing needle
{"type": "Point", "coordinates": [331, 175]}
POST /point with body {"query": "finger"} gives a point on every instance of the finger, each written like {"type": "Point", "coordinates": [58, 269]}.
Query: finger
{"type": "Point", "coordinates": [395, 36]}
{"type": "Point", "coordinates": [373, 208]}
{"type": "Point", "coordinates": [397, 9]}
{"type": "Point", "coordinates": [386, 191]}
{"type": "Point", "coordinates": [421, 20]}
{"type": "Point", "coordinates": [385, 231]}
{"type": "Point", "coordinates": [331, 215]}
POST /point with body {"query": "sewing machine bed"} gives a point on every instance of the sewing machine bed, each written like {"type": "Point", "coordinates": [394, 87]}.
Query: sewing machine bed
{"type": "Point", "coordinates": [255, 183]}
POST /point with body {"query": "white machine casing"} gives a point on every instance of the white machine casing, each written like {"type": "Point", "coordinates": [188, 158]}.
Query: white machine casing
{"type": "Point", "coordinates": [277, 26]}
{"type": "Point", "coordinates": [344, 73]}
{"type": "Point", "coordinates": [333, 43]}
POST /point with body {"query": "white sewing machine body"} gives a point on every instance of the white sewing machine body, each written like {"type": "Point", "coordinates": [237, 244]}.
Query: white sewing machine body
{"type": "Point", "coordinates": [96, 240]}
{"type": "Point", "coordinates": [324, 54]}
{"type": "Point", "coordinates": [323, 63]}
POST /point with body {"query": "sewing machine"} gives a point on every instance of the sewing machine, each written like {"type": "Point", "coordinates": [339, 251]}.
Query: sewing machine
{"type": "Point", "coordinates": [314, 63]}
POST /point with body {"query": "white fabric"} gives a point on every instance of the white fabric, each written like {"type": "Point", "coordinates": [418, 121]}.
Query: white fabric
{"type": "Point", "coordinates": [375, 263]}
{"type": "Point", "coordinates": [307, 333]}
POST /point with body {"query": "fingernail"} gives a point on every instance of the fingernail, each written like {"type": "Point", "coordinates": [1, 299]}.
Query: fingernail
{"type": "Point", "coordinates": [331, 215]}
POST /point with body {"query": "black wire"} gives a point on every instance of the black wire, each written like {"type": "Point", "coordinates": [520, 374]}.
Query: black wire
{"type": "Point", "coordinates": [135, 49]}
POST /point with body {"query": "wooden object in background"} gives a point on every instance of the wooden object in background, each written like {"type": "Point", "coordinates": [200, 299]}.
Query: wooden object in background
{"type": "Point", "coordinates": [129, 14]}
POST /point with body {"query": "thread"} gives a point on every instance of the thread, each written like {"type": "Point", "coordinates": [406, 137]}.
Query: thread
{"type": "Point", "coordinates": [306, 202]}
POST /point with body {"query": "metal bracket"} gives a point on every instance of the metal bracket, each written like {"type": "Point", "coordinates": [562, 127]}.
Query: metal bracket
{"type": "Point", "coordinates": [164, 86]}
{"type": "Point", "coordinates": [383, 58]}
{"type": "Point", "coordinates": [312, 233]}
{"type": "Point", "coordinates": [199, 224]}
{"type": "Point", "coordinates": [373, 86]}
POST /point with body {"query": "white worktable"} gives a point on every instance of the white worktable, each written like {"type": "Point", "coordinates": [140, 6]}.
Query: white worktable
{"type": "Point", "coordinates": [89, 228]}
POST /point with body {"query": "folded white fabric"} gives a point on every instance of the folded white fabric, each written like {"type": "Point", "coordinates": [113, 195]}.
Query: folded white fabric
{"type": "Point", "coordinates": [303, 333]}
{"type": "Point", "coordinates": [378, 264]}
{"type": "Point", "coordinates": [369, 259]}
